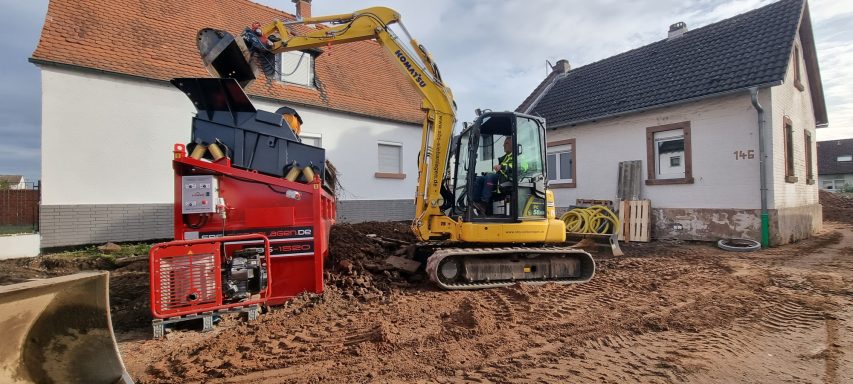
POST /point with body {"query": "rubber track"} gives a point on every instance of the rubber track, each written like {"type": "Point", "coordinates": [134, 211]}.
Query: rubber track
{"type": "Point", "coordinates": [435, 259]}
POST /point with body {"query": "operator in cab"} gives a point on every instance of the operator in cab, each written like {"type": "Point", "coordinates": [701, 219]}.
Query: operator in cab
{"type": "Point", "coordinates": [486, 185]}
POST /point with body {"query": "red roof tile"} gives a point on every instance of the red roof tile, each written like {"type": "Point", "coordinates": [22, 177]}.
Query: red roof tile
{"type": "Point", "coordinates": [156, 39]}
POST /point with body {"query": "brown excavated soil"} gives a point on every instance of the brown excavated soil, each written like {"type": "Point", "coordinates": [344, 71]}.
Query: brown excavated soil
{"type": "Point", "coordinates": [665, 312]}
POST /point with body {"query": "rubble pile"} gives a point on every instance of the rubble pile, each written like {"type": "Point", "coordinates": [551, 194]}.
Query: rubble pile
{"type": "Point", "coordinates": [357, 253]}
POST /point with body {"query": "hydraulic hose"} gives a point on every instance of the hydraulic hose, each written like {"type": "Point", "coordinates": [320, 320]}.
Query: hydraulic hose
{"type": "Point", "coordinates": [596, 219]}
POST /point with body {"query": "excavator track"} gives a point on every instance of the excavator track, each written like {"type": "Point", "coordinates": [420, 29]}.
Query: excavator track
{"type": "Point", "coordinates": [479, 268]}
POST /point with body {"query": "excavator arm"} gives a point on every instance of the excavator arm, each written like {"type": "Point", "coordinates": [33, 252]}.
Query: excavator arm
{"type": "Point", "coordinates": [225, 56]}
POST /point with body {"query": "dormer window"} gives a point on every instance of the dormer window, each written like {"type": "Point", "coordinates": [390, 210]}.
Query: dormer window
{"type": "Point", "coordinates": [295, 67]}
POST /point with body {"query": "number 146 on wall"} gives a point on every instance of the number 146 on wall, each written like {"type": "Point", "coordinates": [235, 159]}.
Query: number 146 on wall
{"type": "Point", "coordinates": [741, 155]}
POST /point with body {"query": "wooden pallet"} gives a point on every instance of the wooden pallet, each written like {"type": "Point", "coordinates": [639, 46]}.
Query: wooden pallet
{"type": "Point", "coordinates": [635, 216]}
{"type": "Point", "coordinates": [159, 325]}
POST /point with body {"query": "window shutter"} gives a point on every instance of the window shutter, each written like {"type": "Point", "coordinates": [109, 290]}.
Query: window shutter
{"type": "Point", "coordinates": [297, 67]}
{"type": "Point", "coordinates": [389, 158]}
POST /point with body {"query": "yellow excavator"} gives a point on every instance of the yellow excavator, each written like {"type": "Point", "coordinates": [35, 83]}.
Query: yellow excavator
{"type": "Point", "coordinates": [484, 216]}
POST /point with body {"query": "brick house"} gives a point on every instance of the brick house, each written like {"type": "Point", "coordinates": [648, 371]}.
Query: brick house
{"type": "Point", "coordinates": [110, 117]}
{"type": "Point", "coordinates": [684, 107]}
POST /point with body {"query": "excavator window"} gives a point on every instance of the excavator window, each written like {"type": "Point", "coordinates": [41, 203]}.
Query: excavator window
{"type": "Point", "coordinates": [488, 188]}
{"type": "Point", "coordinates": [530, 167]}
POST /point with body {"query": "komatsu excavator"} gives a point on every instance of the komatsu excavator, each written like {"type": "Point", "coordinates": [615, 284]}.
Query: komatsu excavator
{"type": "Point", "coordinates": [516, 236]}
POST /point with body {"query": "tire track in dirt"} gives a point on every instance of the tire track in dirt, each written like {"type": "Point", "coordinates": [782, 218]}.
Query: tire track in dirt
{"type": "Point", "coordinates": [690, 314]}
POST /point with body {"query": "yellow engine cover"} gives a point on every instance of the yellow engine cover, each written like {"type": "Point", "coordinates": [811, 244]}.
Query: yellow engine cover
{"type": "Point", "coordinates": [539, 231]}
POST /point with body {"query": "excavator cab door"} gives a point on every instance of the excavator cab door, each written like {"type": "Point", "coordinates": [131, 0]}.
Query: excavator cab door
{"type": "Point", "coordinates": [516, 191]}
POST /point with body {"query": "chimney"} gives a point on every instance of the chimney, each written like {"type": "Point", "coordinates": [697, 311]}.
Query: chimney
{"type": "Point", "coordinates": [303, 8]}
{"type": "Point", "coordinates": [676, 30]}
{"type": "Point", "coordinates": [562, 66]}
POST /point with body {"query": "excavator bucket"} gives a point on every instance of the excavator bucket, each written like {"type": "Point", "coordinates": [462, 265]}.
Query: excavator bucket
{"type": "Point", "coordinates": [58, 330]}
{"type": "Point", "coordinates": [225, 56]}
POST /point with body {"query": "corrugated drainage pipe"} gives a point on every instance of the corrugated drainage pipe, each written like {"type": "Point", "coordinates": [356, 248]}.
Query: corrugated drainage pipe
{"type": "Point", "coordinates": [762, 156]}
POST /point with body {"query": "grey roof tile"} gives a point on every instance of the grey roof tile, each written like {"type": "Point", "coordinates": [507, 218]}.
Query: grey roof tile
{"type": "Point", "coordinates": [827, 157]}
{"type": "Point", "coordinates": [751, 49]}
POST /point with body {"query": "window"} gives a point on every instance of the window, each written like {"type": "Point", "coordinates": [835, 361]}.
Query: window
{"type": "Point", "coordinates": [845, 158]}
{"type": "Point", "coordinates": [295, 67]}
{"type": "Point", "coordinates": [390, 161]}
{"type": "Point", "coordinates": [834, 185]}
{"type": "Point", "coordinates": [487, 146]}
{"type": "Point", "coordinates": [561, 164]}
{"type": "Point", "coordinates": [808, 152]}
{"type": "Point", "coordinates": [314, 139]}
{"type": "Point", "coordinates": [668, 154]}
{"type": "Point", "coordinates": [797, 77]}
{"type": "Point", "coordinates": [788, 135]}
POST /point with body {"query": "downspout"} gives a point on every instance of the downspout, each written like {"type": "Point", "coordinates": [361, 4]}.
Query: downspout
{"type": "Point", "coordinates": [762, 156]}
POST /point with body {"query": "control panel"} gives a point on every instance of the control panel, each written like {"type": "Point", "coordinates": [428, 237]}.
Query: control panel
{"type": "Point", "coordinates": [199, 194]}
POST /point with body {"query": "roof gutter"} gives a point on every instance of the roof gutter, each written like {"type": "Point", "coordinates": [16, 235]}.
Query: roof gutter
{"type": "Point", "coordinates": [762, 164]}
{"type": "Point", "coordinates": [656, 106]}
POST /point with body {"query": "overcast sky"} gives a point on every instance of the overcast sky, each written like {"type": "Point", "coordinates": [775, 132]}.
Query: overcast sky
{"type": "Point", "coordinates": [491, 53]}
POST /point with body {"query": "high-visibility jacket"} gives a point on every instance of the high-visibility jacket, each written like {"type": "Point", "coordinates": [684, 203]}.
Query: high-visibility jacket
{"type": "Point", "coordinates": [505, 174]}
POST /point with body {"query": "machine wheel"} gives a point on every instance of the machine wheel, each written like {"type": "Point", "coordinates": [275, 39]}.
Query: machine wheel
{"type": "Point", "coordinates": [738, 245]}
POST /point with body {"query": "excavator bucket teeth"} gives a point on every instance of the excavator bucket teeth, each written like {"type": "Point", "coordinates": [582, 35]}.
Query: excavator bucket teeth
{"type": "Point", "coordinates": [225, 56]}
{"type": "Point", "coordinates": [58, 330]}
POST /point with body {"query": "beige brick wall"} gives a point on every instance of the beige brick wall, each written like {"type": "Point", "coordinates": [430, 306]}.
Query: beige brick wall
{"type": "Point", "coordinates": [789, 101]}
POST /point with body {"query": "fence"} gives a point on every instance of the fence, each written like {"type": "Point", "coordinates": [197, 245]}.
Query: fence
{"type": "Point", "coordinates": [19, 209]}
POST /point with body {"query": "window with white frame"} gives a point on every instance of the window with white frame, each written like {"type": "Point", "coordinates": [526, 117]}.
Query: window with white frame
{"type": "Point", "coordinates": [669, 150]}
{"type": "Point", "coordinates": [314, 139]}
{"type": "Point", "coordinates": [295, 67]}
{"type": "Point", "coordinates": [561, 163]}
{"type": "Point", "coordinates": [833, 185]}
{"type": "Point", "coordinates": [390, 158]}
{"type": "Point", "coordinates": [668, 154]}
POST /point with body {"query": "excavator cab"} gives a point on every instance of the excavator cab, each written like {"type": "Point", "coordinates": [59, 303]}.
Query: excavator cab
{"type": "Point", "coordinates": [498, 169]}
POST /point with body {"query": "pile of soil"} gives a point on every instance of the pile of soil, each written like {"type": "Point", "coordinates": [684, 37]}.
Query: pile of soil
{"type": "Point", "coordinates": [356, 267]}
{"type": "Point", "coordinates": [836, 207]}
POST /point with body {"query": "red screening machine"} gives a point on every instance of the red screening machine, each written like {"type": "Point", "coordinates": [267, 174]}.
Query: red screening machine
{"type": "Point", "coordinates": [252, 212]}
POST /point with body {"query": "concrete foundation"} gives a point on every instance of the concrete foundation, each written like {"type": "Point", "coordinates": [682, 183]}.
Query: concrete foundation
{"type": "Point", "coordinates": [705, 224]}
{"type": "Point", "coordinates": [356, 211]}
{"type": "Point", "coordinates": [69, 225]}
{"type": "Point", "coordinates": [788, 225]}
{"type": "Point", "coordinates": [24, 245]}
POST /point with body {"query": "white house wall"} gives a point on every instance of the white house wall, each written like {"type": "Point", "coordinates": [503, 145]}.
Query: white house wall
{"type": "Point", "coordinates": [106, 157]}
{"type": "Point", "coordinates": [108, 140]}
{"type": "Point", "coordinates": [719, 127]}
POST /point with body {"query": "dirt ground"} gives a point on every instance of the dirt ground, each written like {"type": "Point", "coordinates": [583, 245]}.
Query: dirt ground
{"type": "Point", "coordinates": [665, 312]}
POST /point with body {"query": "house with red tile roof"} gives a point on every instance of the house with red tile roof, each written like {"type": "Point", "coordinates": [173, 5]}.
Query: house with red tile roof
{"type": "Point", "coordinates": [110, 116]}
